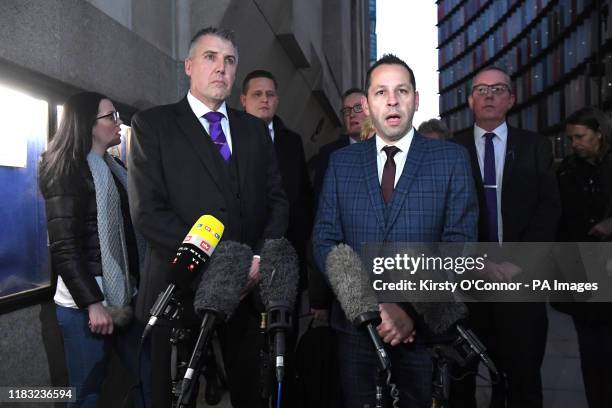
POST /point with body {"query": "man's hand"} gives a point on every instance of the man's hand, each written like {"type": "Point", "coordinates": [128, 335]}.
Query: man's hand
{"type": "Point", "coordinates": [509, 270]}
{"type": "Point", "coordinates": [254, 277]}
{"type": "Point", "coordinates": [396, 326]}
{"type": "Point", "coordinates": [602, 229]}
{"type": "Point", "coordinates": [491, 272]}
{"type": "Point", "coordinates": [100, 321]}
{"type": "Point", "coordinates": [320, 314]}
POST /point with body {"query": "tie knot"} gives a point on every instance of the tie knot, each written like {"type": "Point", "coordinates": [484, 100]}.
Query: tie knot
{"type": "Point", "coordinates": [489, 136]}
{"type": "Point", "coordinates": [391, 151]}
{"type": "Point", "coordinates": [213, 117]}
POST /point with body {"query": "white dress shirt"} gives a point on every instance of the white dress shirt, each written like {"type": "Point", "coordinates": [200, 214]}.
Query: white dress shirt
{"type": "Point", "coordinates": [499, 145]}
{"type": "Point", "coordinates": [271, 129]}
{"type": "Point", "coordinates": [400, 157]}
{"type": "Point", "coordinates": [199, 109]}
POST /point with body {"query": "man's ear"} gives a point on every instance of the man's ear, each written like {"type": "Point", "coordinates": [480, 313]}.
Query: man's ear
{"type": "Point", "coordinates": [364, 105]}
{"type": "Point", "coordinates": [188, 67]}
{"type": "Point", "coordinates": [243, 100]}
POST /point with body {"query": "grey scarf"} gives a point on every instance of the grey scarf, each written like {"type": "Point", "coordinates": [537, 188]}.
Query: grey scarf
{"type": "Point", "coordinates": [116, 284]}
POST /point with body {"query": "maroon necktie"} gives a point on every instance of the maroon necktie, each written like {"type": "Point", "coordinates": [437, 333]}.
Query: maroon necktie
{"type": "Point", "coordinates": [387, 183]}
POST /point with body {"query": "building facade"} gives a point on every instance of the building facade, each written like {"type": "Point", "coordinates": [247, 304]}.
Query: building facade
{"type": "Point", "coordinates": [558, 53]}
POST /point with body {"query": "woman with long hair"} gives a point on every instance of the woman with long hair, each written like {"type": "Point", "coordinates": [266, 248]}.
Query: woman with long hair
{"type": "Point", "coordinates": [585, 185]}
{"type": "Point", "coordinates": [94, 249]}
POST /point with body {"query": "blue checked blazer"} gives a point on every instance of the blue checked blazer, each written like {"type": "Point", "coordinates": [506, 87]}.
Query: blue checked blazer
{"type": "Point", "coordinates": [434, 199]}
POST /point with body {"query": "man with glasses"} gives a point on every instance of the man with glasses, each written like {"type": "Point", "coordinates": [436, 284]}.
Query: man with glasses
{"type": "Point", "coordinates": [353, 115]}
{"type": "Point", "coordinates": [519, 202]}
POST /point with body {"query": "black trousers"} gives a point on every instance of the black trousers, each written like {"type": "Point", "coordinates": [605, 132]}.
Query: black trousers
{"type": "Point", "coordinates": [515, 337]}
{"type": "Point", "coordinates": [241, 344]}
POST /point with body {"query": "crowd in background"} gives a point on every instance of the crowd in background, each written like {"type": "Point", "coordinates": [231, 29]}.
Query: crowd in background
{"type": "Point", "coordinates": [112, 234]}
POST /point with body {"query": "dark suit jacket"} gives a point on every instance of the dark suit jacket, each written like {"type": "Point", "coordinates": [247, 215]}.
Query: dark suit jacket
{"type": "Point", "coordinates": [296, 183]}
{"type": "Point", "coordinates": [323, 162]}
{"type": "Point", "coordinates": [176, 174]}
{"type": "Point", "coordinates": [530, 203]}
{"type": "Point", "coordinates": [319, 292]}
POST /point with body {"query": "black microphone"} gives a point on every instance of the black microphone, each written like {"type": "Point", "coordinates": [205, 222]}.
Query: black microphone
{"type": "Point", "coordinates": [441, 316]}
{"type": "Point", "coordinates": [197, 247]}
{"type": "Point", "coordinates": [278, 289]}
{"type": "Point", "coordinates": [216, 298]}
{"type": "Point", "coordinates": [351, 285]}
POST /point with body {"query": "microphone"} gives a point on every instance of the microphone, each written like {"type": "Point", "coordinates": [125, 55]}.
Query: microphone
{"type": "Point", "coordinates": [351, 285]}
{"type": "Point", "coordinates": [194, 251]}
{"type": "Point", "coordinates": [441, 316]}
{"type": "Point", "coordinates": [216, 299]}
{"type": "Point", "coordinates": [278, 290]}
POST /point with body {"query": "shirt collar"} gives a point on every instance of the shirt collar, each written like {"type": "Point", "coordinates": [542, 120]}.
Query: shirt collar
{"type": "Point", "coordinates": [200, 109]}
{"type": "Point", "coordinates": [271, 129]}
{"type": "Point", "coordinates": [501, 131]}
{"type": "Point", "coordinates": [403, 144]}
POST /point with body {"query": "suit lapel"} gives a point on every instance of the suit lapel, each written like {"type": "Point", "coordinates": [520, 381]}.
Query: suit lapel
{"type": "Point", "coordinates": [509, 161]}
{"type": "Point", "coordinates": [370, 173]}
{"type": "Point", "coordinates": [202, 144]}
{"type": "Point", "coordinates": [416, 154]}
{"type": "Point", "coordinates": [240, 143]}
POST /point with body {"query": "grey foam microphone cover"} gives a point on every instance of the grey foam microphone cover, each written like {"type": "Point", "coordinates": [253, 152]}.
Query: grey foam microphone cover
{"type": "Point", "coordinates": [279, 272]}
{"type": "Point", "coordinates": [350, 282]}
{"type": "Point", "coordinates": [226, 275]}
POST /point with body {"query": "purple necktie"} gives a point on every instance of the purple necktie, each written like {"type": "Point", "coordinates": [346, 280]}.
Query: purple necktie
{"type": "Point", "coordinates": [490, 187]}
{"type": "Point", "coordinates": [387, 183]}
{"type": "Point", "coordinates": [217, 135]}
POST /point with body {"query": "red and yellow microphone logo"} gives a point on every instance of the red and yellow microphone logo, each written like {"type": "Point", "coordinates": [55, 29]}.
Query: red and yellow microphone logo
{"type": "Point", "coordinates": [205, 234]}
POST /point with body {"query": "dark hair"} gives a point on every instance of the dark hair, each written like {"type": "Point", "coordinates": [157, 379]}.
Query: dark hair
{"type": "Point", "coordinates": [217, 32]}
{"type": "Point", "coordinates": [435, 126]}
{"type": "Point", "coordinates": [389, 59]}
{"type": "Point", "coordinates": [66, 155]}
{"type": "Point", "coordinates": [597, 121]}
{"type": "Point", "coordinates": [352, 91]}
{"type": "Point", "coordinates": [492, 68]}
{"type": "Point", "coordinates": [258, 73]}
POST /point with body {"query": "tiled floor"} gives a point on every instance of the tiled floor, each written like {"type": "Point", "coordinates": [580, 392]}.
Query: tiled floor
{"type": "Point", "coordinates": [561, 376]}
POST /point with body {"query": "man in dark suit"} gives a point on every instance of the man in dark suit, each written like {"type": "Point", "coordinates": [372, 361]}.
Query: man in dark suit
{"type": "Point", "coordinates": [395, 187]}
{"type": "Point", "coordinates": [260, 98]}
{"type": "Point", "coordinates": [200, 157]}
{"type": "Point", "coordinates": [320, 294]}
{"type": "Point", "coordinates": [519, 202]}
{"type": "Point", "coordinates": [353, 115]}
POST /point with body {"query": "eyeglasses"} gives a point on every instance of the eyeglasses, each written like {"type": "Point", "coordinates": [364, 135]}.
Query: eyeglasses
{"type": "Point", "coordinates": [357, 108]}
{"type": "Point", "coordinates": [113, 114]}
{"type": "Point", "coordinates": [497, 89]}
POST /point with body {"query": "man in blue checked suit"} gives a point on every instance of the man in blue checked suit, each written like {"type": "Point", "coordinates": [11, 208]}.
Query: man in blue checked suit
{"type": "Point", "coordinates": [396, 187]}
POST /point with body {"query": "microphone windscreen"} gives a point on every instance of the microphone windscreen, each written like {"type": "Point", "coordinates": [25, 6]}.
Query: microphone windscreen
{"type": "Point", "coordinates": [350, 282]}
{"type": "Point", "coordinates": [279, 272]}
{"type": "Point", "coordinates": [441, 316]}
{"type": "Point", "coordinates": [224, 278]}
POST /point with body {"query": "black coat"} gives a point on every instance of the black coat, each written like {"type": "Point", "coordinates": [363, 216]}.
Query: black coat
{"type": "Point", "coordinates": [530, 203]}
{"type": "Point", "coordinates": [586, 198]}
{"type": "Point", "coordinates": [72, 222]}
{"type": "Point", "coordinates": [176, 174]}
{"type": "Point", "coordinates": [296, 183]}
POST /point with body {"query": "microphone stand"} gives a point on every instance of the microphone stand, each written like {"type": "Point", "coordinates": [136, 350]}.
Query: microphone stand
{"type": "Point", "coordinates": [210, 319]}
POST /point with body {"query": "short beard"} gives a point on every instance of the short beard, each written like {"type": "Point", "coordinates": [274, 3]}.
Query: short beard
{"type": "Point", "coordinates": [399, 135]}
